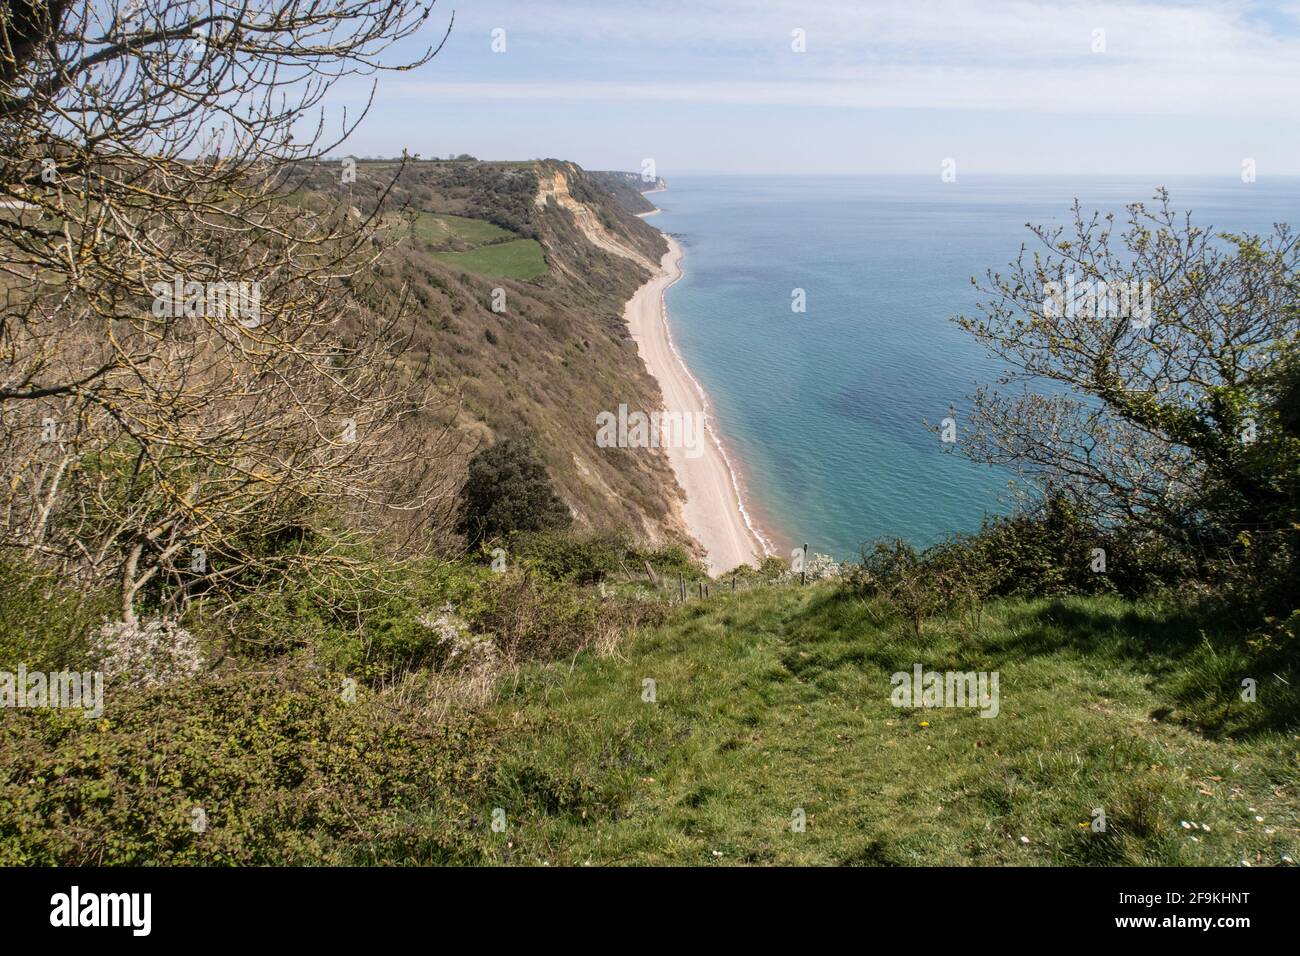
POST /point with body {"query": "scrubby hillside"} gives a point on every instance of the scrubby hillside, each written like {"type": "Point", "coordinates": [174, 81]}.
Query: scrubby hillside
{"type": "Point", "coordinates": [758, 726]}
{"type": "Point", "coordinates": [629, 188]}
{"type": "Point", "coordinates": [519, 273]}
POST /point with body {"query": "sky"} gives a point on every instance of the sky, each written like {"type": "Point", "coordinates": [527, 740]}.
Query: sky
{"type": "Point", "coordinates": [851, 86]}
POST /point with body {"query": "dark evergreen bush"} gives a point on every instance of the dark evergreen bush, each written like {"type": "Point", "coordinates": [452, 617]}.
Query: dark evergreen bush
{"type": "Point", "coordinates": [508, 490]}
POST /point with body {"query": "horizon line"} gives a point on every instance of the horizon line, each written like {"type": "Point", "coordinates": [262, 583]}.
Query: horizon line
{"type": "Point", "coordinates": [1217, 174]}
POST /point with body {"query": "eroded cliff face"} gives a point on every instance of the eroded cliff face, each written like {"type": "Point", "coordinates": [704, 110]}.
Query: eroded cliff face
{"type": "Point", "coordinates": [553, 189]}
{"type": "Point", "coordinates": [601, 252]}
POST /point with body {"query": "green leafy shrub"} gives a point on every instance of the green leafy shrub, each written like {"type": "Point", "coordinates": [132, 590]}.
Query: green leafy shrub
{"type": "Point", "coordinates": [769, 570]}
{"type": "Point", "coordinates": [46, 624]}
{"type": "Point", "coordinates": [508, 490]}
{"type": "Point", "coordinates": [1050, 550]}
{"type": "Point", "coordinates": [253, 768]}
{"type": "Point", "coordinates": [898, 573]}
{"type": "Point", "coordinates": [580, 558]}
{"type": "Point", "coordinates": [365, 621]}
{"type": "Point", "coordinates": [587, 558]}
{"type": "Point", "coordinates": [531, 617]}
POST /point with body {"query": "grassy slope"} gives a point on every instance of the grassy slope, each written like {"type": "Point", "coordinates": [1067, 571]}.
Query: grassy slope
{"type": "Point", "coordinates": [479, 247]}
{"type": "Point", "coordinates": [516, 259]}
{"type": "Point", "coordinates": [435, 228]}
{"type": "Point", "coordinates": [779, 699]}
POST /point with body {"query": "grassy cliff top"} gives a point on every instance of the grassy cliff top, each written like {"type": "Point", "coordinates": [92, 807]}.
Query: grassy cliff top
{"type": "Point", "coordinates": [778, 700]}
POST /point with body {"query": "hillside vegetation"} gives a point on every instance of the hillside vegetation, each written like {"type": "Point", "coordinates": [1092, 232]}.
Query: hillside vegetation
{"type": "Point", "coordinates": [769, 705]}
{"type": "Point", "coordinates": [308, 553]}
{"type": "Point", "coordinates": [558, 352]}
{"type": "Point", "coordinates": [559, 682]}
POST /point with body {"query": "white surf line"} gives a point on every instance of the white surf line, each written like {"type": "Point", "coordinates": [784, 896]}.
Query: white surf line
{"type": "Point", "coordinates": [764, 544]}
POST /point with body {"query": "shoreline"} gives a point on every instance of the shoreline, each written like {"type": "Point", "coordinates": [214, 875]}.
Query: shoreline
{"type": "Point", "coordinates": [714, 510]}
{"type": "Point", "coordinates": [656, 210]}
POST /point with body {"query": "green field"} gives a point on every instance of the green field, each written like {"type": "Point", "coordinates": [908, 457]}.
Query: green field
{"type": "Point", "coordinates": [480, 247]}
{"type": "Point", "coordinates": [517, 259]}
{"type": "Point", "coordinates": [778, 701]}
{"type": "Point", "coordinates": [441, 228]}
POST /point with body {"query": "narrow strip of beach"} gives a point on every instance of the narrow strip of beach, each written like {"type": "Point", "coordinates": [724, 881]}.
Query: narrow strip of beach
{"type": "Point", "coordinates": [714, 510]}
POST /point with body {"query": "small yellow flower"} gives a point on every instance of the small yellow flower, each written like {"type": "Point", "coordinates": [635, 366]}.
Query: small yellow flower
{"type": "Point", "coordinates": [924, 723]}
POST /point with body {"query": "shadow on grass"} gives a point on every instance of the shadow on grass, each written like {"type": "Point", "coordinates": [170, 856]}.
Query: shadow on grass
{"type": "Point", "coordinates": [1157, 639]}
{"type": "Point", "coordinates": [1197, 655]}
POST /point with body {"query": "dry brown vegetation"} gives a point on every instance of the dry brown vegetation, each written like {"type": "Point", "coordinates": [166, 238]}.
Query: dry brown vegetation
{"type": "Point", "coordinates": [213, 345]}
{"type": "Point", "coordinates": [178, 384]}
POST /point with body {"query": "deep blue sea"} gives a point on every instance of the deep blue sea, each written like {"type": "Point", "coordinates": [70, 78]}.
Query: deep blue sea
{"type": "Point", "coordinates": [826, 410]}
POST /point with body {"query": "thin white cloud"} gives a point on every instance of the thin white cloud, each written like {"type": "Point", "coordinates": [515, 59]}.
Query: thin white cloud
{"type": "Point", "coordinates": [1044, 91]}
{"type": "Point", "coordinates": [1174, 58]}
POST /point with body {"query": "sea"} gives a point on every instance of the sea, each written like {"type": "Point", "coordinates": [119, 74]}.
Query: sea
{"type": "Point", "coordinates": [824, 411]}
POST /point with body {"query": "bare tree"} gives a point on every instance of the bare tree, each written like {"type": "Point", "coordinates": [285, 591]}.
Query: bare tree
{"type": "Point", "coordinates": [195, 362]}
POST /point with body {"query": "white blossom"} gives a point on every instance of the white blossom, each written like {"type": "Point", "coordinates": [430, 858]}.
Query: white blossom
{"type": "Point", "coordinates": [149, 654]}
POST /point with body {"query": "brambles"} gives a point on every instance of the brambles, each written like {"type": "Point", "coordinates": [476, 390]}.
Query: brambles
{"type": "Point", "coordinates": [1047, 550]}
{"type": "Point", "coordinates": [285, 770]}
{"type": "Point", "coordinates": [898, 573]}
{"type": "Point", "coordinates": [587, 558]}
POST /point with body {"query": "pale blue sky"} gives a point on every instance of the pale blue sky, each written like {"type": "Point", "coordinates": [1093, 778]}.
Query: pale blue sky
{"type": "Point", "coordinates": [1182, 86]}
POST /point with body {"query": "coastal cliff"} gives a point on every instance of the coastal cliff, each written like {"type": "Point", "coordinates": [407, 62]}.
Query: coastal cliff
{"type": "Point", "coordinates": [629, 188]}
{"type": "Point", "coordinates": [520, 273]}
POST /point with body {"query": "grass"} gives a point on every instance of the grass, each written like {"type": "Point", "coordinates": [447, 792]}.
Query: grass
{"type": "Point", "coordinates": [439, 228]}
{"type": "Point", "coordinates": [778, 700]}
{"type": "Point", "coordinates": [480, 247]}
{"type": "Point", "coordinates": [517, 259]}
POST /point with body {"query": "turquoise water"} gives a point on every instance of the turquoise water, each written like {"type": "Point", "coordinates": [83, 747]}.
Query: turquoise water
{"type": "Point", "coordinates": [825, 410]}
